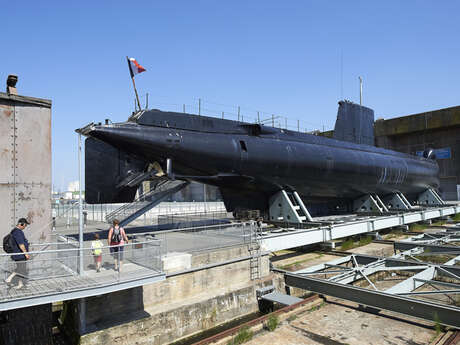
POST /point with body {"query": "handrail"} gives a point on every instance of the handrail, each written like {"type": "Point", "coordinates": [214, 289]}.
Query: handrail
{"type": "Point", "coordinates": [78, 249]}
{"type": "Point", "coordinates": [204, 227]}
{"type": "Point", "coordinates": [137, 201]}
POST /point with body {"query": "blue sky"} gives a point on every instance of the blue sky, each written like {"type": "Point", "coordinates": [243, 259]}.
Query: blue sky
{"type": "Point", "coordinates": [289, 58]}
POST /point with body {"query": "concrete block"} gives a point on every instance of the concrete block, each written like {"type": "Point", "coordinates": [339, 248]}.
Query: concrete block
{"type": "Point", "coordinates": [175, 261]}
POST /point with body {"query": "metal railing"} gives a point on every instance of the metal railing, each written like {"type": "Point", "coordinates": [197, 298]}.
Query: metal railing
{"type": "Point", "coordinates": [66, 215]}
{"type": "Point", "coordinates": [57, 270]}
{"type": "Point", "coordinates": [189, 219]}
{"type": "Point", "coordinates": [150, 198]}
{"type": "Point", "coordinates": [201, 238]}
{"type": "Point", "coordinates": [206, 107]}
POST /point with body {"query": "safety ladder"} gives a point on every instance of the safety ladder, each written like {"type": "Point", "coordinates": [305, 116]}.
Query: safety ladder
{"type": "Point", "coordinates": [255, 253]}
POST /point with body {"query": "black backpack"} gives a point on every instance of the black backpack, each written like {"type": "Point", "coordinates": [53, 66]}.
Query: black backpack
{"type": "Point", "coordinates": [116, 238]}
{"type": "Point", "coordinates": [8, 243]}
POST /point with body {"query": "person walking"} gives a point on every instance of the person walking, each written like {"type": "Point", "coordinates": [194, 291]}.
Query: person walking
{"type": "Point", "coordinates": [96, 246]}
{"type": "Point", "coordinates": [21, 246]}
{"type": "Point", "coordinates": [117, 239]}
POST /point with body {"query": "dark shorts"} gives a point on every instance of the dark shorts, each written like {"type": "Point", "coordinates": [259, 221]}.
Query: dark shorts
{"type": "Point", "coordinates": [117, 252]}
{"type": "Point", "coordinates": [22, 269]}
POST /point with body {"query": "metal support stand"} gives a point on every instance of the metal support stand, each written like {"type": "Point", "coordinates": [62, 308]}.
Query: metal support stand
{"type": "Point", "coordinates": [369, 203]}
{"type": "Point", "coordinates": [288, 207]}
{"type": "Point", "coordinates": [397, 201]}
{"type": "Point", "coordinates": [430, 197]}
{"type": "Point", "coordinates": [82, 316]}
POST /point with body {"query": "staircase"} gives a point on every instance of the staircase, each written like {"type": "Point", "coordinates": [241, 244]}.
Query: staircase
{"type": "Point", "coordinates": [145, 202]}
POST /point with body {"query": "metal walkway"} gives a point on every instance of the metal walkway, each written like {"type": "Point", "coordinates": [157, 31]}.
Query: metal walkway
{"type": "Point", "coordinates": [53, 272]}
{"type": "Point", "coordinates": [53, 275]}
{"type": "Point", "coordinates": [291, 235]}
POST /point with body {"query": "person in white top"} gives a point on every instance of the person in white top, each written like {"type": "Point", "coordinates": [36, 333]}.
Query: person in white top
{"type": "Point", "coordinates": [117, 239]}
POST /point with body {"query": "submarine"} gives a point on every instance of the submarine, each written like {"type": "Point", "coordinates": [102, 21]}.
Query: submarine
{"type": "Point", "coordinates": [251, 162]}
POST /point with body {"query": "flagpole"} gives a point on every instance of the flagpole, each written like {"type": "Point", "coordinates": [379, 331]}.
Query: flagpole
{"type": "Point", "coordinates": [134, 84]}
{"type": "Point", "coordinates": [135, 90]}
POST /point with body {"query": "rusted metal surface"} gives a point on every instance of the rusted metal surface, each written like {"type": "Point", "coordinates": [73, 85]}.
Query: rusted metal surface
{"type": "Point", "coordinates": [453, 339]}
{"type": "Point", "coordinates": [25, 158]}
{"type": "Point", "coordinates": [254, 322]}
{"type": "Point", "coordinates": [25, 100]}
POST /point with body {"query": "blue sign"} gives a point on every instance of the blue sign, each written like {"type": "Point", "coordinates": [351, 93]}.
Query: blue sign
{"type": "Point", "coordinates": [444, 153]}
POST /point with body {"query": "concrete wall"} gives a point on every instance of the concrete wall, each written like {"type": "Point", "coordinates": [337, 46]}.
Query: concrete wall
{"type": "Point", "coordinates": [25, 161]}
{"type": "Point", "coordinates": [170, 325]}
{"type": "Point", "coordinates": [178, 307]}
{"type": "Point", "coordinates": [436, 129]}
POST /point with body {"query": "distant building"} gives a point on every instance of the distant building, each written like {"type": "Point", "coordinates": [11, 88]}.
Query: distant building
{"type": "Point", "coordinates": [73, 186]}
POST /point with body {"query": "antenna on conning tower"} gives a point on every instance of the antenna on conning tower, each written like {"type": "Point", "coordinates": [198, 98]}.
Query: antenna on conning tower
{"type": "Point", "coordinates": [360, 91]}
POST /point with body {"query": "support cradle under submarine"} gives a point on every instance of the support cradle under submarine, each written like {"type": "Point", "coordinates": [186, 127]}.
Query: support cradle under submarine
{"type": "Point", "coordinates": [258, 167]}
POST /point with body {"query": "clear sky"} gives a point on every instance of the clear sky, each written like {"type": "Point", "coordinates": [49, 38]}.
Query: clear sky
{"type": "Point", "coordinates": [289, 58]}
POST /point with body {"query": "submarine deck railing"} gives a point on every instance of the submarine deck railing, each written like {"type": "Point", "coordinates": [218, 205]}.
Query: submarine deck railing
{"type": "Point", "coordinates": [54, 274]}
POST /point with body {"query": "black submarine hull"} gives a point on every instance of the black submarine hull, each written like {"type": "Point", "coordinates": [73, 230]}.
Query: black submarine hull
{"type": "Point", "coordinates": [250, 162]}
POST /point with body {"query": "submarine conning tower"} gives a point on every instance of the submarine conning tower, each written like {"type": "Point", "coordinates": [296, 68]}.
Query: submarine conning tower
{"type": "Point", "coordinates": [355, 123]}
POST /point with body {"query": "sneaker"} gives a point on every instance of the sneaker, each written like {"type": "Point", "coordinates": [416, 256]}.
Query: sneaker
{"type": "Point", "coordinates": [19, 286]}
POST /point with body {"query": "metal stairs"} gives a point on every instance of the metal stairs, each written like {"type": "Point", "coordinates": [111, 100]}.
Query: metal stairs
{"type": "Point", "coordinates": [145, 202]}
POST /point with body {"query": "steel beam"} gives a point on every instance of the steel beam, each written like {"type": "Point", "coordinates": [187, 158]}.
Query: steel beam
{"type": "Point", "coordinates": [413, 282]}
{"type": "Point", "coordinates": [436, 282]}
{"type": "Point", "coordinates": [452, 261]}
{"type": "Point", "coordinates": [433, 248]}
{"type": "Point", "coordinates": [437, 292]}
{"type": "Point", "coordinates": [302, 237]}
{"type": "Point", "coordinates": [446, 315]}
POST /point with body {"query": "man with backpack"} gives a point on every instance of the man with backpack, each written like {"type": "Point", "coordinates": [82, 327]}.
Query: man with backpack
{"type": "Point", "coordinates": [19, 244]}
{"type": "Point", "coordinates": [117, 239]}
